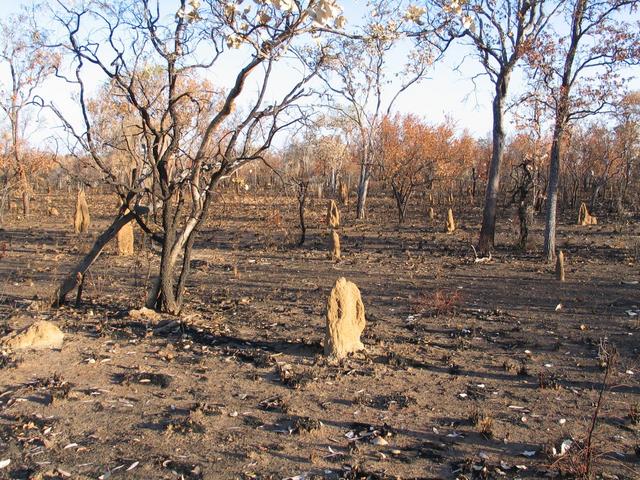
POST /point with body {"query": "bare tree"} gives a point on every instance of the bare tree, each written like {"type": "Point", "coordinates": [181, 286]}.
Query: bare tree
{"type": "Point", "coordinates": [28, 65]}
{"type": "Point", "coordinates": [181, 159]}
{"type": "Point", "coordinates": [500, 34]}
{"type": "Point", "coordinates": [297, 172]}
{"type": "Point", "coordinates": [579, 77]}
{"type": "Point", "coordinates": [361, 86]}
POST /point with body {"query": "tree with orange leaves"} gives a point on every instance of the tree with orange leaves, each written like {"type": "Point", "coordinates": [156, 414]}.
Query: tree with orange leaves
{"type": "Point", "coordinates": [412, 154]}
{"type": "Point", "coordinates": [627, 133]}
{"type": "Point", "coordinates": [465, 153]}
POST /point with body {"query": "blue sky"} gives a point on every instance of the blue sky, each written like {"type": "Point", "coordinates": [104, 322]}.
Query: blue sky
{"type": "Point", "coordinates": [448, 92]}
{"type": "Point", "coordinates": [445, 93]}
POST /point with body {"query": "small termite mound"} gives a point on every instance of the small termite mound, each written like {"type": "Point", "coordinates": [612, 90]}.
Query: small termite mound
{"type": "Point", "coordinates": [560, 266]}
{"type": "Point", "coordinates": [451, 224]}
{"type": "Point", "coordinates": [335, 245]}
{"type": "Point", "coordinates": [126, 239]}
{"type": "Point", "coordinates": [584, 218]}
{"type": "Point", "coordinates": [38, 336]}
{"type": "Point", "coordinates": [345, 320]}
{"type": "Point", "coordinates": [333, 215]}
{"type": "Point", "coordinates": [82, 220]}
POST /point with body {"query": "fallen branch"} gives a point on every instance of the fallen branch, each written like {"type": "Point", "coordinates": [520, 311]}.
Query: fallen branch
{"type": "Point", "coordinates": [74, 279]}
{"type": "Point", "coordinates": [480, 259]}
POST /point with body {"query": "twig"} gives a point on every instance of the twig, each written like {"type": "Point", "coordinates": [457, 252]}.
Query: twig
{"type": "Point", "coordinates": [480, 259]}
{"type": "Point", "coordinates": [610, 357]}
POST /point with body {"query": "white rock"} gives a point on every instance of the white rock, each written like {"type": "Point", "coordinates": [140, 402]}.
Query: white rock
{"type": "Point", "coordinates": [379, 441]}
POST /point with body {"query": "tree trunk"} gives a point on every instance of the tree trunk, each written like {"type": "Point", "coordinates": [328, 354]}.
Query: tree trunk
{"type": "Point", "coordinates": [525, 216]}
{"type": "Point", "coordinates": [4, 198]}
{"type": "Point", "coordinates": [302, 199]}
{"type": "Point", "coordinates": [184, 274]}
{"type": "Point", "coordinates": [74, 279]}
{"type": "Point", "coordinates": [552, 195]}
{"type": "Point", "coordinates": [474, 178]}
{"type": "Point", "coordinates": [363, 188]}
{"type": "Point", "coordinates": [166, 301]}
{"type": "Point", "coordinates": [488, 230]}
{"type": "Point", "coordinates": [26, 203]}
{"type": "Point", "coordinates": [596, 194]}
{"type": "Point", "coordinates": [562, 117]}
{"type": "Point", "coordinates": [401, 203]}
{"type": "Point", "coordinates": [333, 180]}
{"type": "Point", "coordinates": [166, 294]}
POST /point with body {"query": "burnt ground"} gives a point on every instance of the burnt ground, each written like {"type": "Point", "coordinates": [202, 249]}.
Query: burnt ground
{"type": "Point", "coordinates": [471, 370]}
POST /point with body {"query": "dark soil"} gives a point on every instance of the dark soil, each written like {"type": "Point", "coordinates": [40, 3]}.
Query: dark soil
{"type": "Point", "coordinates": [472, 370]}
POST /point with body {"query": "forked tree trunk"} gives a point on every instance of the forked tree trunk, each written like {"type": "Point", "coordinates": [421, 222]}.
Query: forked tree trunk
{"type": "Point", "coordinates": [402, 200]}
{"type": "Point", "coordinates": [166, 293]}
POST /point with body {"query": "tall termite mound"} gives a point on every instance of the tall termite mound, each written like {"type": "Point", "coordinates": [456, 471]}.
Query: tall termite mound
{"type": "Point", "coordinates": [560, 266]}
{"type": "Point", "coordinates": [431, 214]}
{"type": "Point", "coordinates": [82, 219]}
{"type": "Point", "coordinates": [451, 224]}
{"type": "Point", "coordinates": [344, 194]}
{"type": "Point", "coordinates": [333, 215]}
{"type": "Point", "coordinates": [584, 218]}
{"type": "Point", "coordinates": [126, 239]}
{"type": "Point", "coordinates": [345, 320]}
{"type": "Point", "coordinates": [333, 221]}
{"type": "Point", "coordinates": [335, 245]}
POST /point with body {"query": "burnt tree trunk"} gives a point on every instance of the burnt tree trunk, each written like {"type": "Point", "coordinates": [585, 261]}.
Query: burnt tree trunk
{"type": "Point", "coordinates": [303, 188]}
{"type": "Point", "coordinates": [363, 190]}
{"type": "Point", "coordinates": [402, 199]}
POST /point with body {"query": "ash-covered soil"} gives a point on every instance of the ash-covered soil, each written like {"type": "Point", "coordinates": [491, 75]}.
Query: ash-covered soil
{"type": "Point", "coordinates": [471, 370]}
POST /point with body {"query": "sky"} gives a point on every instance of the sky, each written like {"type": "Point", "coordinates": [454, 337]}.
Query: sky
{"type": "Point", "coordinates": [447, 93]}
